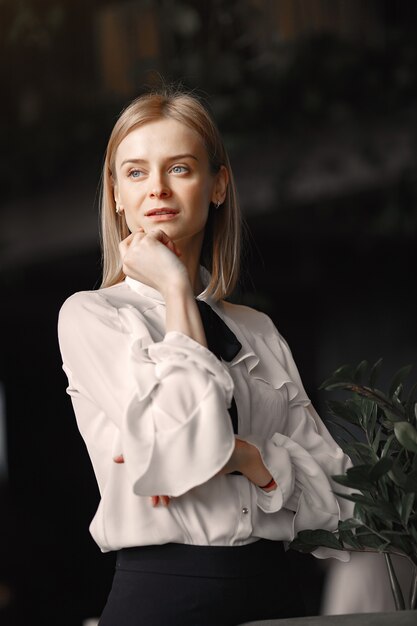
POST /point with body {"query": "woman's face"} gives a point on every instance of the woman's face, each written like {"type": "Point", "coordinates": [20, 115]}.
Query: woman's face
{"type": "Point", "coordinates": [163, 178]}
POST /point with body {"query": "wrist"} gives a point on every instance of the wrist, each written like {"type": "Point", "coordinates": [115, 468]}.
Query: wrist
{"type": "Point", "coordinates": [252, 466]}
{"type": "Point", "coordinates": [270, 486]}
{"type": "Point", "coordinates": [180, 288]}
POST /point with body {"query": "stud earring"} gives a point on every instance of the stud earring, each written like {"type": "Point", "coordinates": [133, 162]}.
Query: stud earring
{"type": "Point", "coordinates": [118, 210]}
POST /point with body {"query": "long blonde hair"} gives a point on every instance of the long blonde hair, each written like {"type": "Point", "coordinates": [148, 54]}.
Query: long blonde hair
{"type": "Point", "coordinates": [221, 247]}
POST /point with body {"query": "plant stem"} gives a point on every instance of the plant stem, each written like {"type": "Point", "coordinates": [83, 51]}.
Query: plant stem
{"type": "Point", "coordinates": [395, 586]}
{"type": "Point", "coordinates": [379, 398]}
{"type": "Point", "coordinates": [374, 532]}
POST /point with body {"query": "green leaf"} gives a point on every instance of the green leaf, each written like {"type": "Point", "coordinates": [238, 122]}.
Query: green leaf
{"type": "Point", "coordinates": [387, 445]}
{"type": "Point", "coordinates": [346, 532]}
{"type": "Point", "coordinates": [382, 400]}
{"type": "Point", "coordinates": [385, 512]}
{"type": "Point", "coordinates": [383, 485]}
{"type": "Point", "coordinates": [411, 394]}
{"type": "Point", "coordinates": [319, 538]}
{"type": "Point", "coordinates": [370, 540]}
{"type": "Point", "coordinates": [403, 543]}
{"type": "Point", "coordinates": [356, 497]}
{"type": "Point", "coordinates": [365, 506]}
{"type": "Point", "coordinates": [399, 378]}
{"type": "Point", "coordinates": [299, 546]}
{"type": "Point", "coordinates": [372, 422]}
{"type": "Point", "coordinates": [361, 406]}
{"type": "Point", "coordinates": [359, 472]}
{"type": "Point", "coordinates": [361, 513]}
{"type": "Point", "coordinates": [374, 373]}
{"type": "Point", "coordinates": [367, 408]}
{"type": "Point", "coordinates": [407, 507]}
{"type": "Point", "coordinates": [411, 412]}
{"type": "Point", "coordinates": [391, 416]}
{"type": "Point", "coordinates": [397, 475]}
{"type": "Point", "coordinates": [339, 378]}
{"type": "Point", "coordinates": [406, 434]}
{"type": "Point", "coordinates": [343, 428]}
{"type": "Point", "coordinates": [376, 441]}
{"type": "Point", "coordinates": [344, 411]}
{"type": "Point", "coordinates": [413, 533]}
{"type": "Point", "coordinates": [355, 482]}
{"type": "Point", "coordinates": [410, 484]}
{"type": "Point", "coordinates": [360, 371]}
{"type": "Point", "coordinates": [348, 537]}
{"type": "Point", "coordinates": [349, 524]}
{"type": "Point", "coordinates": [361, 451]}
{"type": "Point", "coordinates": [380, 468]}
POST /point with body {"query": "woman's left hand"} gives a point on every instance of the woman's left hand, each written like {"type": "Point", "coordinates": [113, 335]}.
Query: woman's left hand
{"type": "Point", "coordinates": [155, 500]}
{"type": "Point", "coordinates": [247, 459]}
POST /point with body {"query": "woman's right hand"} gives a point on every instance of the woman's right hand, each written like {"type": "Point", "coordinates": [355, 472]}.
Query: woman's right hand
{"type": "Point", "coordinates": [153, 258]}
{"type": "Point", "coordinates": [155, 500]}
{"type": "Point", "coordinates": [163, 500]}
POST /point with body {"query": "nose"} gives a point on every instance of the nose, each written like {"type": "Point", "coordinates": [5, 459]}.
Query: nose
{"type": "Point", "coordinates": [159, 188]}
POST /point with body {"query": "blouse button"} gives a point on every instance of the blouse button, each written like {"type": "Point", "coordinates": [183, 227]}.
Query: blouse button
{"type": "Point", "coordinates": [245, 510]}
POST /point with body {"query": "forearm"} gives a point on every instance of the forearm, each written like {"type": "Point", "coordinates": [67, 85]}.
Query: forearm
{"type": "Point", "coordinates": [182, 314]}
{"type": "Point", "coordinates": [246, 459]}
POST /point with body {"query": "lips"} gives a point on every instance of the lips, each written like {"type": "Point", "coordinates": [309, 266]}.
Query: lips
{"type": "Point", "coordinates": [161, 211]}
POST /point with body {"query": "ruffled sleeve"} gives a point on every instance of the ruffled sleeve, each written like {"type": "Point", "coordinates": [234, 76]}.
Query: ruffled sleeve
{"type": "Point", "coordinates": [299, 451]}
{"type": "Point", "coordinates": [167, 400]}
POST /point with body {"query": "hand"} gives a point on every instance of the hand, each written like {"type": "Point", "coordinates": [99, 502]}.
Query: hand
{"type": "Point", "coordinates": [155, 500]}
{"type": "Point", "coordinates": [163, 500]}
{"type": "Point", "coordinates": [247, 459]}
{"type": "Point", "coordinates": [153, 258]}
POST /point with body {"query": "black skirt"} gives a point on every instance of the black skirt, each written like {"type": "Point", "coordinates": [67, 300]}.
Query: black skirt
{"type": "Point", "coordinates": [183, 585]}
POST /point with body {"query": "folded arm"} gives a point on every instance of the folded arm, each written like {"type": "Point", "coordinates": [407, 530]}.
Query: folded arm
{"type": "Point", "coordinates": [167, 400]}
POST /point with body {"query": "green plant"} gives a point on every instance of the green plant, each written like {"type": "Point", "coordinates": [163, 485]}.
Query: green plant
{"type": "Point", "coordinates": [378, 431]}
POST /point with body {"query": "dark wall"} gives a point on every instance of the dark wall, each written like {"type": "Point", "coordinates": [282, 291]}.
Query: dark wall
{"type": "Point", "coordinates": [57, 572]}
{"type": "Point", "coordinates": [322, 134]}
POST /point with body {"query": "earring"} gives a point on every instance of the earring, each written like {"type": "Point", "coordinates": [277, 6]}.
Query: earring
{"type": "Point", "coordinates": [217, 204]}
{"type": "Point", "coordinates": [118, 211]}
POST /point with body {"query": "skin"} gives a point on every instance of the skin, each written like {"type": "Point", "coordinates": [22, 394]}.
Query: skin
{"type": "Point", "coordinates": [163, 165]}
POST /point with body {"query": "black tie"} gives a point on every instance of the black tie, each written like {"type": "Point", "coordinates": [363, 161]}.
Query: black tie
{"type": "Point", "coordinates": [222, 342]}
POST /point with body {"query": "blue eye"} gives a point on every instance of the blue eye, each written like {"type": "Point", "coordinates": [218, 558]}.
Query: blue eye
{"type": "Point", "coordinates": [179, 169]}
{"type": "Point", "coordinates": [135, 174]}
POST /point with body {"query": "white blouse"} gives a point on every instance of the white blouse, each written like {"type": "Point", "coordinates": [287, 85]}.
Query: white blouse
{"type": "Point", "coordinates": [161, 399]}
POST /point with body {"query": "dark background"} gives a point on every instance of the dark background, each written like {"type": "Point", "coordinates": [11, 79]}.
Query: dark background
{"type": "Point", "coordinates": [317, 103]}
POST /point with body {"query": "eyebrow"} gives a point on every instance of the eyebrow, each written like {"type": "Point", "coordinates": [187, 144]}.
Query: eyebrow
{"type": "Point", "coordinates": [176, 157]}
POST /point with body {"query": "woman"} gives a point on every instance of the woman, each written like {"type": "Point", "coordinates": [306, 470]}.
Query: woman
{"type": "Point", "coordinates": [207, 451]}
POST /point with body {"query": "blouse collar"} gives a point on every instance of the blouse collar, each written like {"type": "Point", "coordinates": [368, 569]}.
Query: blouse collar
{"type": "Point", "coordinates": [245, 354]}
{"type": "Point", "coordinates": [257, 354]}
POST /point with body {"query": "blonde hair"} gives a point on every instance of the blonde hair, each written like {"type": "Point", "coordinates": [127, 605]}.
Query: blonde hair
{"type": "Point", "coordinates": [221, 247]}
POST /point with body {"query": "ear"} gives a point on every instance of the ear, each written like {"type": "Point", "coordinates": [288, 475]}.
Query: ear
{"type": "Point", "coordinates": [115, 192]}
{"type": "Point", "coordinates": [220, 185]}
